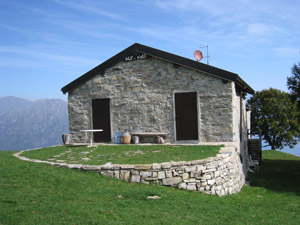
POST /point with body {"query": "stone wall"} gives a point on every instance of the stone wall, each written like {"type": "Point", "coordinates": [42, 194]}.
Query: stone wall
{"type": "Point", "coordinates": [240, 120]}
{"type": "Point", "coordinates": [220, 175]}
{"type": "Point", "coordinates": [141, 97]}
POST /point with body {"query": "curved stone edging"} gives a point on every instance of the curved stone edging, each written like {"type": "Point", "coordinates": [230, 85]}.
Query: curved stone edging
{"type": "Point", "coordinates": [220, 175]}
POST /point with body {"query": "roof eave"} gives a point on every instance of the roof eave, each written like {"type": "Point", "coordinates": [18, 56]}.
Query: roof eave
{"type": "Point", "coordinates": [240, 82]}
{"type": "Point", "coordinates": [98, 69]}
{"type": "Point", "coordinates": [179, 60]}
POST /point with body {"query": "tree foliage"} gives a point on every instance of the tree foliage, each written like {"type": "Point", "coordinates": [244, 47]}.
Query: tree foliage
{"type": "Point", "coordinates": [276, 116]}
{"type": "Point", "coordinates": [293, 83]}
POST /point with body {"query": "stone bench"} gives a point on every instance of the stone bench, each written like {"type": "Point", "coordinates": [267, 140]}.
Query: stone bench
{"type": "Point", "coordinates": [160, 136]}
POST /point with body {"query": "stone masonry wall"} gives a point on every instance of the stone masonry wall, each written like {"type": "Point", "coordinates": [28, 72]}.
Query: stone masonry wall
{"type": "Point", "coordinates": [141, 97]}
{"type": "Point", "coordinates": [220, 175]}
{"type": "Point", "coordinates": [240, 137]}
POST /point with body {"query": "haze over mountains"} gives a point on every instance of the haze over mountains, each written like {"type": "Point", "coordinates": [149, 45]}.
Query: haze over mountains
{"type": "Point", "coordinates": [26, 124]}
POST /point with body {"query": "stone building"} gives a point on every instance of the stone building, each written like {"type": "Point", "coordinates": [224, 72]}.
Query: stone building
{"type": "Point", "coordinates": [142, 89]}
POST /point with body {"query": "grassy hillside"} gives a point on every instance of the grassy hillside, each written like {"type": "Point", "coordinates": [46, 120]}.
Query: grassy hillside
{"type": "Point", "coordinates": [32, 193]}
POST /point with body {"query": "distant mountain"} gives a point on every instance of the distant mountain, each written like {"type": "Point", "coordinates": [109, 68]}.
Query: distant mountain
{"type": "Point", "coordinates": [10, 103]}
{"type": "Point", "coordinates": [28, 124]}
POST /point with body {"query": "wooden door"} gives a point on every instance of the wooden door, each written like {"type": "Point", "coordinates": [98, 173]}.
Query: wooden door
{"type": "Point", "coordinates": [186, 116]}
{"type": "Point", "coordinates": [101, 119]}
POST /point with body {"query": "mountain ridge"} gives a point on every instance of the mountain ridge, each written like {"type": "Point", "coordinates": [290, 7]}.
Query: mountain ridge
{"type": "Point", "coordinates": [29, 124]}
{"type": "Point", "coordinates": [10, 103]}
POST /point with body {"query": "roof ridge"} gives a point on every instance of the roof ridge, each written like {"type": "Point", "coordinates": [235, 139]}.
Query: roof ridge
{"type": "Point", "coordinates": [170, 57]}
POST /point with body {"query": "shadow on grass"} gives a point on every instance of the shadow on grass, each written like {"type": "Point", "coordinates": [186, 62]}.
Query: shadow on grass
{"type": "Point", "coordinates": [278, 175]}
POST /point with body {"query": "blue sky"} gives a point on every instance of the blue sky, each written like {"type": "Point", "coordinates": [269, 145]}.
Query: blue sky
{"type": "Point", "coordinates": [45, 44]}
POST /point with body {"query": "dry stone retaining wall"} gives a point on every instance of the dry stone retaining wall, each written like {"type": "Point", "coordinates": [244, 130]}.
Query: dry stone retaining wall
{"type": "Point", "coordinates": [220, 175]}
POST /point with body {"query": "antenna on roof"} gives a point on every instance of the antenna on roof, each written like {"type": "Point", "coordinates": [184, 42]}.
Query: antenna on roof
{"type": "Point", "coordinates": [207, 56]}
{"type": "Point", "coordinates": [198, 54]}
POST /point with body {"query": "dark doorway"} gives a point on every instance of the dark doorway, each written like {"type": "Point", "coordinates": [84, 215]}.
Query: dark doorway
{"type": "Point", "coordinates": [186, 116]}
{"type": "Point", "coordinates": [101, 119]}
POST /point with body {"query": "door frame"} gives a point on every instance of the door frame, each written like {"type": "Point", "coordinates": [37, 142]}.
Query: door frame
{"type": "Point", "coordinates": [198, 114]}
{"type": "Point", "coordinates": [110, 115]}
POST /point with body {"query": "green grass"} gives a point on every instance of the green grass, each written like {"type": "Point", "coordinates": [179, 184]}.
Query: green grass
{"type": "Point", "coordinates": [280, 172]}
{"type": "Point", "coordinates": [123, 154]}
{"type": "Point", "coordinates": [33, 193]}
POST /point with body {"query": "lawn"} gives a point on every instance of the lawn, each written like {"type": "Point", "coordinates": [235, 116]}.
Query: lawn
{"type": "Point", "coordinates": [123, 154]}
{"type": "Point", "coordinates": [33, 193]}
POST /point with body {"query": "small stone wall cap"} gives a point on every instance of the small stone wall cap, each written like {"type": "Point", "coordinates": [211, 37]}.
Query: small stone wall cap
{"type": "Point", "coordinates": [142, 166]}
{"type": "Point", "coordinates": [183, 163]}
{"type": "Point", "coordinates": [156, 166]}
{"type": "Point", "coordinates": [127, 166]}
{"type": "Point", "coordinates": [106, 166]}
{"type": "Point", "coordinates": [75, 166]}
{"type": "Point", "coordinates": [91, 167]}
{"type": "Point", "coordinates": [166, 165]}
{"type": "Point", "coordinates": [198, 162]}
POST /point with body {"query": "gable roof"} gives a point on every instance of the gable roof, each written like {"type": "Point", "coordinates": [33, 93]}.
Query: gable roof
{"type": "Point", "coordinates": [175, 59]}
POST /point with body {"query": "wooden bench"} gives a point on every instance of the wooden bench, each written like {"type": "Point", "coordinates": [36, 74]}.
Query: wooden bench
{"type": "Point", "coordinates": [160, 136]}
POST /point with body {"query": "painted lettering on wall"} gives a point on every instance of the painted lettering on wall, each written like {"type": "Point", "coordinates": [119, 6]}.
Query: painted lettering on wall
{"type": "Point", "coordinates": [136, 57]}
